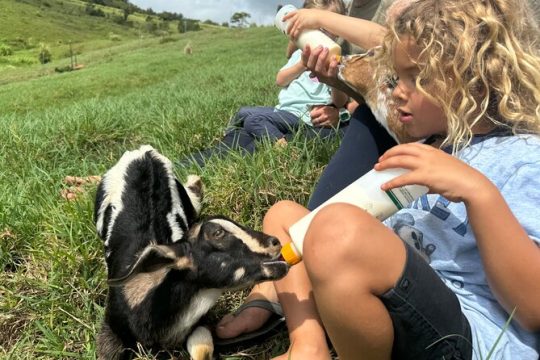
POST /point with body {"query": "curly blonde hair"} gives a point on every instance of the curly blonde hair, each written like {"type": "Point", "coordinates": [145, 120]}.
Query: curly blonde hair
{"type": "Point", "coordinates": [479, 59]}
{"type": "Point", "coordinates": [337, 6]}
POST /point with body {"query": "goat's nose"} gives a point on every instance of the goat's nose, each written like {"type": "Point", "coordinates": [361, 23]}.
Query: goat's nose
{"type": "Point", "coordinates": [274, 241]}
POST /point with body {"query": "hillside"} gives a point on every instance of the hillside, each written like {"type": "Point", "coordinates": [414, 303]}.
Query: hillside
{"type": "Point", "coordinates": [53, 21]}
{"type": "Point", "coordinates": [27, 26]}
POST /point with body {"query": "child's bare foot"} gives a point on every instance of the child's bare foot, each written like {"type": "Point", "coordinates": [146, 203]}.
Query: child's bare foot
{"type": "Point", "coordinates": [250, 318]}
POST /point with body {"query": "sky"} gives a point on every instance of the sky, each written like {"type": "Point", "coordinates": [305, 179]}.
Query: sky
{"type": "Point", "coordinates": [262, 11]}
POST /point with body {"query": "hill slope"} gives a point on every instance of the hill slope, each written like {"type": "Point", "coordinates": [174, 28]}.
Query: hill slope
{"type": "Point", "coordinates": [26, 26]}
{"type": "Point", "coordinates": [54, 21]}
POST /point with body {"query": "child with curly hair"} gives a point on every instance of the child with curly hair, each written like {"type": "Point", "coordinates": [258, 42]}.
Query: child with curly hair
{"type": "Point", "coordinates": [467, 80]}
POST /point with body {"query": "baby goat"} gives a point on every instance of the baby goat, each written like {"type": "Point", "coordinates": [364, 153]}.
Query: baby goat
{"type": "Point", "coordinates": [165, 271]}
{"type": "Point", "coordinates": [358, 72]}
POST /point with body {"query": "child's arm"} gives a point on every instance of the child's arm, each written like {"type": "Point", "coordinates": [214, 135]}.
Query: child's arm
{"type": "Point", "coordinates": [364, 33]}
{"type": "Point", "coordinates": [285, 76]}
{"type": "Point", "coordinates": [510, 257]}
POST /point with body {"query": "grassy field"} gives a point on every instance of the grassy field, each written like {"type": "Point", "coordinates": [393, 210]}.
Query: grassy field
{"type": "Point", "coordinates": [58, 24]}
{"type": "Point", "coordinates": [140, 91]}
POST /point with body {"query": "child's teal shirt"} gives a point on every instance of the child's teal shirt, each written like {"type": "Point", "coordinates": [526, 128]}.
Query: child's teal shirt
{"type": "Point", "coordinates": [303, 92]}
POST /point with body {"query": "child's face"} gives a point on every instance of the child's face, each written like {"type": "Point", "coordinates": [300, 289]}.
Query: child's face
{"type": "Point", "coordinates": [420, 116]}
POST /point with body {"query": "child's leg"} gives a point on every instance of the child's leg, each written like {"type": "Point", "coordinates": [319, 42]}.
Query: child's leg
{"type": "Point", "coordinates": [270, 124]}
{"type": "Point", "coordinates": [251, 319]}
{"type": "Point", "coordinates": [237, 120]}
{"type": "Point", "coordinates": [374, 294]}
{"type": "Point", "coordinates": [306, 333]}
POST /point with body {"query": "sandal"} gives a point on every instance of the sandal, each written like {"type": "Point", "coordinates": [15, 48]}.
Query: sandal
{"type": "Point", "coordinates": [274, 324]}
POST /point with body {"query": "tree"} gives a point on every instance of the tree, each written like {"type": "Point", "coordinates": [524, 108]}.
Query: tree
{"type": "Point", "coordinates": [128, 10]}
{"type": "Point", "coordinates": [240, 18]}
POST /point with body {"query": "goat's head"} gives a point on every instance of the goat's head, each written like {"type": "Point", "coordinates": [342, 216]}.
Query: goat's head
{"type": "Point", "coordinates": [358, 72]}
{"type": "Point", "coordinates": [231, 256]}
{"type": "Point", "coordinates": [217, 253]}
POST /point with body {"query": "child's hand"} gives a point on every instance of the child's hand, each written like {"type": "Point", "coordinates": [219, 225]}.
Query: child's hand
{"type": "Point", "coordinates": [324, 116]}
{"type": "Point", "coordinates": [303, 19]}
{"type": "Point", "coordinates": [316, 60]}
{"type": "Point", "coordinates": [442, 173]}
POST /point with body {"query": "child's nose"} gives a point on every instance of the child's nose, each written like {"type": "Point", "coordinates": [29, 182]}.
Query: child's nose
{"type": "Point", "coordinates": [398, 93]}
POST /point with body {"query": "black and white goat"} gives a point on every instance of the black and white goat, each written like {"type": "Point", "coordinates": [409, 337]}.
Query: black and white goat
{"type": "Point", "coordinates": [165, 270]}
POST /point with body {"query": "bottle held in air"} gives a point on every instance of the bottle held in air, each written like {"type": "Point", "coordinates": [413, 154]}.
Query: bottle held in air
{"type": "Point", "coordinates": [365, 193]}
{"type": "Point", "coordinates": [313, 38]}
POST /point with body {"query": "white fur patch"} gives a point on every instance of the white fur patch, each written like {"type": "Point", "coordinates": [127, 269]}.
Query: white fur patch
{"type": "Point", "coordinates": [239, 273]}
{"type": "Point", "coordinates": [252, 243]}
{"type": "Point", "coordinates": [267, 272]}
{"type": "Point", "coordinates": [195, 198]}
{"type": "Point", "coordinates": [200, 345]}
{"type": "Point", "coordinates": [199, 305]}
{"type": "Point", "coordinates": [380, 110]}
{"type": "Point", "coordinates": [177, 208]}
{"type": "Point", "coordinates": [113, 186]}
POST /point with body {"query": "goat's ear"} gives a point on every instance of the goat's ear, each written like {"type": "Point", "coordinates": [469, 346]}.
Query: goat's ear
{"type": "Point", "coordinates": [153, 258]}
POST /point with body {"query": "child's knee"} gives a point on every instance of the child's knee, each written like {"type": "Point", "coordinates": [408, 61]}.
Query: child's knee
{"type": "Point", "coordinates": [338, 233]}
{"type": "Point", "coordinates": [253, 124]}
{"type": "Point", "coordinates": [282, 215]}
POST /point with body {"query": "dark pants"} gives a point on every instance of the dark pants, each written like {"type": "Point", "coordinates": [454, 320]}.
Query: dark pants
{"type": "Point", "coordinates": [363, 143]}
{"type": "Point", "coordinates": [238, 138]}
{"type": "Point", "coordinates": [426, 315]}
{"type": "Point", "coordinates": [263, 122]}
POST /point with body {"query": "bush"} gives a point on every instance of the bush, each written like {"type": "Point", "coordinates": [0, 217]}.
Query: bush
{"type": "Point", "coordinates": [5, 50]}
{"type": "Point", "coordinates": [61, 69]}
{"type": "Point", "coordinates": [93, 11]}
{"type": "Point", "coordinates": [188, 25]}
{"type": "Point", "coordinates": [44, 55]}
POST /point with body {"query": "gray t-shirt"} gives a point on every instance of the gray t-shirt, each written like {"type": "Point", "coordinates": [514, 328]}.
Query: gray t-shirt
{"type": "Point", "coordinates": [441, 230]}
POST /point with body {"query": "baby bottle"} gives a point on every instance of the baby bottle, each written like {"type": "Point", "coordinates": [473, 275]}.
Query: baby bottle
{"type": "Point", "coordinates": [365, 193]}
{"type": "Point", "coordinates": [313, 38]}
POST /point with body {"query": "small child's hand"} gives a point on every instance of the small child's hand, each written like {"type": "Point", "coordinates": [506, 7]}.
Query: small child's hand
{"type": "Point", "coordinates": [317, 61]}
{"type": "Point", "coordinates": [303, 19]}
{"type": "Point", "coordinates": [442, 173]}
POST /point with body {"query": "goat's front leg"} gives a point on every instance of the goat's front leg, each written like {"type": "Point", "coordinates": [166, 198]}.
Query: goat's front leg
{"type": "Point", "coordinates": [200, 345]}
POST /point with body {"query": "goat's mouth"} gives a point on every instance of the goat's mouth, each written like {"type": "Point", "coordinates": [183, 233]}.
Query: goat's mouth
{"type": "Point", "coordinates": [278, 258]}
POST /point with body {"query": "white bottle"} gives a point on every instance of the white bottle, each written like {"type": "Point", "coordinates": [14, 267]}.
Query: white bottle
{"type": "Point", "coordinates": [312, 37]}
{"type": "Point", "coordinates": [365, 193]}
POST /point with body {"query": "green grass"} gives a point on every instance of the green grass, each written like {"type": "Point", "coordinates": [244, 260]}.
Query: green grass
{"type": "Point", "coordinates": [53, 21]}
{"type": "Point", "coordinates": [52, 278]}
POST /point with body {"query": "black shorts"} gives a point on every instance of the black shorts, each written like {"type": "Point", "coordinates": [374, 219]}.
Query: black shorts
{"type": "Point", "coordinates": [426, 315]}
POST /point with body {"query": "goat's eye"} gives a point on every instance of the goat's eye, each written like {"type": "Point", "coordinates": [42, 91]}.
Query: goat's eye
{"type": "Point", "coordinates": [218, 233]}
{"type": "Point", "coordinates": [392, 81]}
